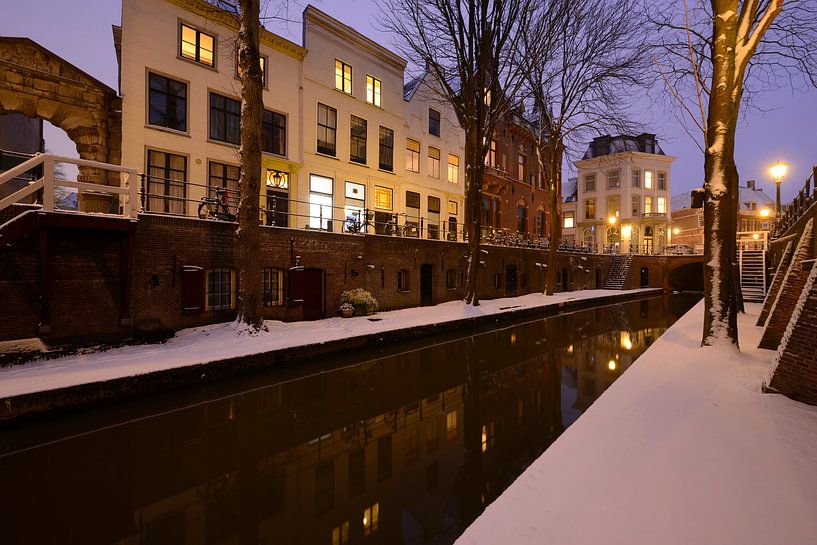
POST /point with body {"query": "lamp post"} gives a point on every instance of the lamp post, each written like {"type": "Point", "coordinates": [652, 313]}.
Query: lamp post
{"type": "Point", "coordinates": [778, 170]}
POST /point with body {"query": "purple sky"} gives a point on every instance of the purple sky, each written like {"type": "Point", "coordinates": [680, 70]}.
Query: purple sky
{"type": "Point", "coordinates": [786, 131]}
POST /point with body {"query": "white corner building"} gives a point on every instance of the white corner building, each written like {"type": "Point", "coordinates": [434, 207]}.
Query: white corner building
{"type": "Point", "coordinates": [623, 195]}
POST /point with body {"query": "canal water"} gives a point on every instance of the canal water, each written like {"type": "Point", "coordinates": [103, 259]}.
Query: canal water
{"type": "Point", "coordinates": [405, 445]}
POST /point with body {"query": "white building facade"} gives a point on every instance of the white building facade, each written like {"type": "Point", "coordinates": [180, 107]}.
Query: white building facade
{"type": "Point", "coordinates": [339, 137]}
{"type": "Point", "coordinates": [623, 195]}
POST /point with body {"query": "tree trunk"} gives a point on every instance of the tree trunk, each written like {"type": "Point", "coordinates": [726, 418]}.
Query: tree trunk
{"type": "Point", "coordinates": [554, 177]}
{"type": "Point", "coordinates": [252, 106]}
{"type": "Point", "coordinates": [721, 186]}
{"type": "Point", "coordinates": [474, 172]}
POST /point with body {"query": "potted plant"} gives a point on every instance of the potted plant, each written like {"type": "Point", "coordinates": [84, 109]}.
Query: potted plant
{"type": "Point", "coordinates": [347, 310]}
{"type": "Point", "coordinates": [360, 299]}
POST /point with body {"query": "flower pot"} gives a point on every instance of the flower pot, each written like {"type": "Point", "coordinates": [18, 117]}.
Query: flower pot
{"type": "Point", "coordinates": [347, 312]}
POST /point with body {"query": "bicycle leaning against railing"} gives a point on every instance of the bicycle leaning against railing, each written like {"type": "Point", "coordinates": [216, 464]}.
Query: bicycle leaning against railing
{"type": "Point", "coordinates": [216, 207]}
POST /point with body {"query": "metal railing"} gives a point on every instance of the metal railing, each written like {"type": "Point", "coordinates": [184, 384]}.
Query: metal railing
{"type": "Point", "coordinates": [797, 207]}
{"type": "Point", "coordinates": [126, 193]}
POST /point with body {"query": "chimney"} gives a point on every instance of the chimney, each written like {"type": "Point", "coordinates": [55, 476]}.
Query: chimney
{"type": "Point", "coordinates": [750, 184]}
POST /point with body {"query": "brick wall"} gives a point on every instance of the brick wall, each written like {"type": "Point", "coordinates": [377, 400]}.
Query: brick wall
{"type": "Point", "coordinates": [86, 274]}
{"type": "Point", "coordinates": [789, 293]}
{"type": "Point", "coordinates": [795, 365]}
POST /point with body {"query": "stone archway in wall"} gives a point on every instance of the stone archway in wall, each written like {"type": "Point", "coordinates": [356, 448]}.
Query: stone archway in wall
{"type": "Point", "coordinates": [37, 83]}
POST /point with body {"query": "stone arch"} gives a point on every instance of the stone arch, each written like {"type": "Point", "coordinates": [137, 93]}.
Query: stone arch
{"type": "Point", "coordinates": [37, 83]}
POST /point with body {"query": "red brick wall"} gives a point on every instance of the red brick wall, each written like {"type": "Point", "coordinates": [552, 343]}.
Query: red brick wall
{"type": "Point", "coordinates": [795, 373]}
{"type": "Point", "coordinates": [86, 272]}
{"type": "Point", "coordinates": [789, 294]}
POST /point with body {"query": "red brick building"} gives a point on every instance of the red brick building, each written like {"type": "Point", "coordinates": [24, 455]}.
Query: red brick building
{"type": "Point", "coordinates": [513, 190]}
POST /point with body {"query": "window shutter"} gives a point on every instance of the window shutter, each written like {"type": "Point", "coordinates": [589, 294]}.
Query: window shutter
{"type": "Point", "coordinates": [192, 288]}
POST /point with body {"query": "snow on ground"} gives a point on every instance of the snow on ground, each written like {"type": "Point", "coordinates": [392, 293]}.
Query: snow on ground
{"type": "Point", "coordinates": [683, 448]}
{"type": "Point", "coordinates": [220, 341]}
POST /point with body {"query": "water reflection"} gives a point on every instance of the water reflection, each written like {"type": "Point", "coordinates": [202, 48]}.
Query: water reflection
{"type": "Point", "coordinates": [406, 448]}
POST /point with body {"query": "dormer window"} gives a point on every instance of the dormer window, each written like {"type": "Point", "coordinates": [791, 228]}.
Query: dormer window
{"type": "Point", "coordinates": [197, 46]}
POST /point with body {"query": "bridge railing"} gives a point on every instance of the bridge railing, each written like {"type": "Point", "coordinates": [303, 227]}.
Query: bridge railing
{"type": "Point", "coordinates": [126, 193]}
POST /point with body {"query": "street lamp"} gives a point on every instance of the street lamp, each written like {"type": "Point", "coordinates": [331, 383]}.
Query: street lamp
{"type": "Point", "coordinates": [778, 170]}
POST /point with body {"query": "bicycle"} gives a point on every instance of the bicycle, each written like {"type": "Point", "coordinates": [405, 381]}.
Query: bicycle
{"type": "Point", "coordinates": [352, 223]}
{"type": "Point", "coordinates": [216, 207]}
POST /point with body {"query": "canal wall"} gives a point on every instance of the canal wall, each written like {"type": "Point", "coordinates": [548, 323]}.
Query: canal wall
{"type": "Point", "coordinates": [207, 356]}
{"type": "Point", "coordinates": [80, 285]}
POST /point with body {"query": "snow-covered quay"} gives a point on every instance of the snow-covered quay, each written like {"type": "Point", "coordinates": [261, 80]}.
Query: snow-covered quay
{"type": "Point", "coordinates": [202, 345]}
{"type": "Point", "coordinates": [683, 448]}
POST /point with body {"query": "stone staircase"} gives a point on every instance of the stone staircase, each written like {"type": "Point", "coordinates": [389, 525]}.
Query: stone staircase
{"type": "Point", "coordinates": [618, 271]}
{"type": "Point", "coordinates": [753, 274]}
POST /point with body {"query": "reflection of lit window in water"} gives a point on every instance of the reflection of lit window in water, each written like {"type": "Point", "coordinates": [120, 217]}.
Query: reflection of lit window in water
{"type": "Point", "coordinates": [488, 437]}
{"type": "Point", "coordinates": [451, 425]}
{"type": "Point", "coordinates": [370, 518]}
{"type": "Point", "coordinates": [340, 534]}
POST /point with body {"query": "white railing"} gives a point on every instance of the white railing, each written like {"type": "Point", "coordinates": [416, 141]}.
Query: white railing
{"type": "Point", "coordinates": [127, 191]}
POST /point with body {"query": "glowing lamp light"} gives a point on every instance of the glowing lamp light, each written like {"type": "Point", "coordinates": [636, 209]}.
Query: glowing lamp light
{"type": "Point", "coordinates": [755, 236]}
{"type": "Point", "coordinates": [626, 231]}
{"type": "Point", "coordinates": [778, 170]}
{"type": "Point", "coordinates": [626, 342]}
{"type": "Point", "coordinates": [611, 365]}
{"type": "Point", "coordinates": [764, 213]}
{"type": "Point", "coordinates": [611, 220]}
{"type": "Point", "coordinates": [675, 231]}
{"type": "Point", "coordinates": [365, 520]}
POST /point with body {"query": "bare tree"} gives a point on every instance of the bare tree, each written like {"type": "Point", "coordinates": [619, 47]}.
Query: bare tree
{"type": "Point", "coordinates": [715, 57]}
{"type": "Point", "coordinates": [471, 49]}
{"type": "Point", "coordinates": [585, 60]}
{"type": "Point", "coordinates": [252, 107]}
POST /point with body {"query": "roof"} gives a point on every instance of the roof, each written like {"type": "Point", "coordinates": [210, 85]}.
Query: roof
{"type": "Point", "coordinates": [747, 195]}
{"type": "Point", "coordinates": [609, 145]}
{"type": "Point", "coordinates": [411, 87]}
{"type": "Point", "coordinates": [570, 189]}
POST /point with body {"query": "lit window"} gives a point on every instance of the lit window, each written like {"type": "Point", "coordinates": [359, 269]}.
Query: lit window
{"type": "Point", "coordinates": [433, 223]}
{"type": "Point", "coordinates": [412, 155]}
{"type": "Point", "coordinates": [433, 122]}
{"type": "Point", "coordinates": [590, 209]}
{"type": "Point", "coordinates": [648, 205]}
{"type": "Point", "coordinates": [371, 516]}
{"type": "Point", "coordinates": [167, 103]}
{"type": "Point", "coordinates": [451, 425]}
{"type": "Point", "coordinates": [383, 197]}
{"type": "Point", "coordinates": [343, 77]}
{"type": "Point", "coordinates": [453, 169]}
{"type": "Point", "coordinates": [569, 220]}
{"type": "Point", "coordinates": [220, 293]}
{"type": "Point", "coordinates": [320, 201]}
{"type": "Point", "coordinates": [262, 62]}
{"type": "Point", "coordinates": [197, 46]}
{"type": "Point", "coordinates": [488, 437]}
{"type": "Point", "coordinates": [590, 182]}
{"type": "Point", "coordinates": [373, 91]}
{"type": "Point", "coordinates": [490, 155]}
{"type": "Point", "coordinates": [662, 205]}
{"type": "Point", "coordinates": [340, 534]}
{"type": "Point", "coordinates": [647, 179]}
{"type": "Point", "coordinates": [272, 287]}
{"type": "Point", "coordinates": [433, 162]}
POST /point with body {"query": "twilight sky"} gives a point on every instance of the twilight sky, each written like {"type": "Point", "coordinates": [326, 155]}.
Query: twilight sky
{"type": "Point", "coordinates": [80, 32]}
